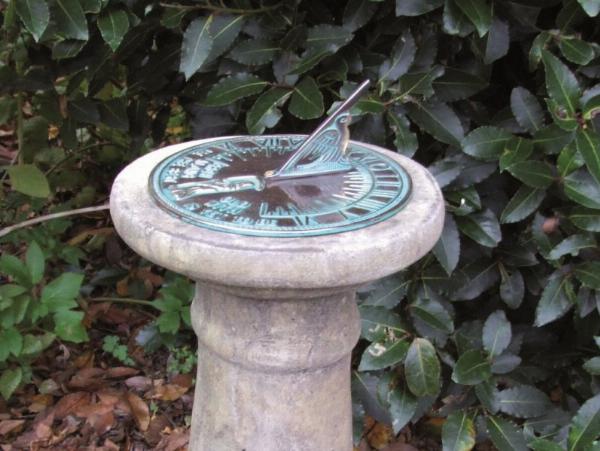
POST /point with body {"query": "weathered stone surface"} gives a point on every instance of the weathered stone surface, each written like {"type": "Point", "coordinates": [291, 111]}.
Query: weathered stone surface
{"type": "Point", "coordinates": [276, 318]}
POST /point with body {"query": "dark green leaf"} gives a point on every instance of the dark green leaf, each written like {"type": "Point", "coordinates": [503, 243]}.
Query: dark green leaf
{"type": "Point", "coordinates": [591, 107]}
{"type": "Point", "coordinates": [309, 61]}
{"type": "Point", "coordinates": [585, 426]}
{"type": "Point", "coordinates": [447, 249]}
{"type": "Point", "coordinates": [171, 17]}
{"type": "Point", "coordinates": [386, 292]}
{"type": "Point", "coordinates": [576, 50]}
{"type": "Point", "coordinates": [445, 171]}
{"type": "Point", "coordinates": [401, 58]}
{"type": "Point", "coordinates": [526, 109]}
{"type": "Point", "coordinates": [358, 13]}
{"type": "Point", "coordinates": [481, 227]}
{"type": "Point", "coordinates": [561, 116]}
{"type": "Point", "coordinates": [457, 84]}
{"type": "Point", "coordinates": [485, 143]}
{"type": "Point", "coordinates": [569, 160]}
{"type": "Point", "coordinates": [402, 407]}
{"type": "Point", "coordinates": [35, 16]}
{"type": "Point", "coordinates": [307, 100]}
{"type": "Point", "coordinates": [496, 42]}
{"type": "Point", "coordinates": [455, 22]}
{"type": "Point", "coordinates": [416, 7]}
{"type": "Point", "coordinates": [422, 368]}
{"type": "Point", "coordinates": [525, 201]}
{"type": "Point", "coordinates": [497, 333]}
{"type": "Point", "coordinates": [505, 435]}
{"type": "Point", "coordinates": [439, 120]}
{"type": "Point", "coordinates": [535, 53]}
{"type": "Point", "coordinates": [223, 29]}
{"type": "Point", "coordinates": [113, 25]}
{"type": "Point", "coordinates": [419, 83]}
{"type": "Point", "coordinates": [471, 368]}
{"type": "Point", "coordinates": [327, 38]}
{"type": "Point", "coordinates": [523, 401]}
{"type": "Point", "coordinates": [458, 432]}
{"type": "Point", "coordinates": [233, 88]}
{"type": "Point", "coordinates": [586, 219]}
{"type": "Point", "coordinates": [433, 314]}
{"type": "Point", "coordinates": [405, 141]}
{"type": "Point", "coordinates": [591, 7]}
{"type": "Point", "coordinates": [583, 189]}
{"type": "Point", "coordinates": [113, 113]}
{"type": "Point", "coordinates": [572, 245]}
{"type": "Point", "coordinates": [254, 51]}
{"type": "Point", "coordinates": [378, 322]}
{"type": "Point", "coordinates": [479, 13]}
{"type": "Point", "coordinates": [384, 354]}
{"type": "Point", "coordinates": [68, 48]}
{"type": "Point", "coordinates": [561, 84]}
{"type": "Point", "coordinates": [505, 363]}
{"type": "Point", "coordinates": [28, 179]}
{"type": "Point", "coordinates": [587, 143]}
{"type": "Point", "coordinates": [70, 19]}
{"type": "Point", "coordinates": [34, 260]}
{"type": "Point", "coordinates": [592, 366]}
{"type": "Point", "coordinates": [9, 381]}
{"type": "Point", "coordinates": [265, 112]}
{"type": "Point", "coordinates": [540, 444]}
{"type": "Point", "coordinates": [12, 343]}
{"type": "Point", "coordinates": [536, 174]}
{"type": "Point", "coordinates": [517, 149]}
{"type": "Point", "coordinates": [487, 393]}
{"type": "Point", "coordinates": [589, 274]}
{"type": "Point", "coordinates": [481, 276]}
{"type": "Point", "coordinates": [555, 300]}
{"type": "Point", "coordinates": [196, 46]}
{"type": "Point", "coordinates": [552, 139]}
{"type": "Point", "coordinates": [512, 289]}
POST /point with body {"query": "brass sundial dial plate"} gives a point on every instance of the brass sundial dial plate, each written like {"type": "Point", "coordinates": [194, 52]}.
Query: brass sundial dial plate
{"type": "Point", "coordinates": [221, 185]}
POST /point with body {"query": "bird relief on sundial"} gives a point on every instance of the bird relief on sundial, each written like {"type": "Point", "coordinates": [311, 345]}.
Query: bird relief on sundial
{"type": "Point", "coordinates": [283, 185]}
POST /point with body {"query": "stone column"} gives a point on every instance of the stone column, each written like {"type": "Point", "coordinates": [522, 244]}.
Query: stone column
{"type": "Point", "coordinates": [276, 318]}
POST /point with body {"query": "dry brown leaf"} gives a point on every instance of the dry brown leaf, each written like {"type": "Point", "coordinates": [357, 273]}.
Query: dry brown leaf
{"type": "Point", "coordinates": [141, 383]}
{"type": "Point", "coordinates": [8, 426]}
{"type": "Point", "coordinates": [140, 410]}
{"type": "Point", "coordinates": [398, 446]}
{"type": "Point", "coordinates": [380, 435]}
{"type": "Point", "coordinates": [175, 441]}
{"type": "Point", "coordinates": [88, 379]}
{"type": "Point", "coordinates": [40, 402]}
{"type": "Point", "coordinates": [183, 380]}
{"type": "Point", "coordinates": [85, 360]}
{"type": "Point", "coordinates": [154, 434]}
{"type": "Point", "coordinates": [120, 371]}
{"type": "Point", "coordinates": [69, 403]}
{"type": "Point", "coordinates": [168, 392]}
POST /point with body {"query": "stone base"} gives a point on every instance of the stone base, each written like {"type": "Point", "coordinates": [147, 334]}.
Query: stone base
{"type": "Point", "coordinates": [273, 375]}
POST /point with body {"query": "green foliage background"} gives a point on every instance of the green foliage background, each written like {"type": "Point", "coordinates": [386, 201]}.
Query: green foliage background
{"type": "Point", "coordinates": [495, 329]}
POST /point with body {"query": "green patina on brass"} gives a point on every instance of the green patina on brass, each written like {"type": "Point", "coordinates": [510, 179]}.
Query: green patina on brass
{"type": "Point", "coordinates": [283, 185]}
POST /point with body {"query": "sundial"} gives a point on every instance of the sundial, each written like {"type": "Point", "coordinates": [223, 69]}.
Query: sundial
{"type": "Point", "coordinates": [283, 185]}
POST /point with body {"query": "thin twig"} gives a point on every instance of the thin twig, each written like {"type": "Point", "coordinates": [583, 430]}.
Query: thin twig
{"type": "Point", "coordinates": [62, 214]}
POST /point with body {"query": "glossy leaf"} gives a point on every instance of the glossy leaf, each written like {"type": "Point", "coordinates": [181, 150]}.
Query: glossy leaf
{"type": "Point", "coordinates": [381, 355]}
{"type": "Point", "coordinates": [587, 143]}
{"type": "Point", "coordinates": [591, 7]}
{"type": "Point", "coordinates": [535, 174]}
{"type": "Point", "coordinates": [481, 227]}
{"type": "Point", "coordinates": [479, 13]}
{"type": "Point", "coordinates": [358, 13]}
{"type": "Point", "coordinates": [526, 109]}
{"type": "Point", "coordinates": [512, 289]}
{"type": "Point", "coordinates": [569, 160]}
{"type": "Point", "coordinates": [196, 46]}
{"type": "Point", "coordinates": [447, 249]}
{"type": "Point", "coordinates": [517, 149]}
{"type": "Point", "coordinates": [589, 274]}
{"type": "Point", "coordinates": [405, 140]}
{"type": "Point", "coordinates": [433, 314]}
{"type": "Point", "coordinates": [485, 143]}
{"type": "Point", "coordinates": [576, 50]}
{"type": "Point", "coordinates": [585, 426]}
{"type": "Point", "coordinates": [70, 19]}
{"type": "Point", "coordinates": [422, 368]}
{"type": "Point", "coordinates": [264, 113]}
{"type": "Point", "coordinates": [223, 29]}
{"type": "Point", "coordinates": [523, 401]}
{"type": "Point", "coordinates": [458, 432]}
{"type": "Point", "coordinates": [471, 368]}
{"type": "Point", "coordinates": [416, 7]}
{"type": "Point", "coordinates": [497, 333]}
{"type": "Point", "coordinates": [113, 25]}
{"type": "Point", "coordinates": [496, 41]}
{"type": "Point", "coordinates": [377, 322]}
{"type": "Point", "coordinates": [583, 189]}
{"type": "Point", "coordinates": [456, 84]}
{"type": "Point", "coordinates": [403, 405]}
{"type": "Point", "coordinates": [586, 219]}
{"type": "Point", "coordinates": [592, 366]}
{"type": "Point", "coordinates": [572, 245]}
{"type": "Point", "coordinates": [562, 85]}
{"type": "Point", "coordinates": [233, 88]}
{"type": "Point", "coordinates": [35, 16]}
{"type": "Point", "coordinates": [254, 51]}
{"type": "Point", "coordinates": [525, 202]}
{"type": "Point", "coordinates": [554, 302]}
{"type": "Point", "coordinates": [439, 120]}
{"type": "Point", "coordinates": [505, 435]}
{"type": "Point", "coordinates": [307, 100]}
{"type": "Point", "coordinates": [401, 57]}
{"type": "Point", "coordinates": [327, 37]}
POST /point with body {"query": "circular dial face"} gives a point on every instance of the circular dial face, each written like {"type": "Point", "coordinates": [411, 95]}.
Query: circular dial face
{"type": "Point", "coordinates": [221, 185]}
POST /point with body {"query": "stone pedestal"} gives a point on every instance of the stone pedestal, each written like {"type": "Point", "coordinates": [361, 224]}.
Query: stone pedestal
{"type": "Point", "coordinates": [276, 318]}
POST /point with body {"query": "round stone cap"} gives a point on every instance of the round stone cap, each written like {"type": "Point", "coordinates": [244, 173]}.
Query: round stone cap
{"type": "Point", "coordinates": [316, 263]}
